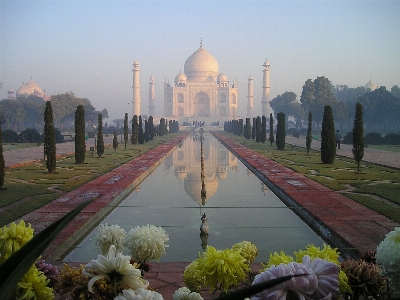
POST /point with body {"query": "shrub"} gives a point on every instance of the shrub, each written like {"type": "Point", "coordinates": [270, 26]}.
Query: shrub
{"type": "Point", "coordinates": [373, 138]}
{"type": "Point", "coordinates": [9, 136]}
{"type": "Point", "coordinates": [391, 139]}
{"type": "Point", "coordinates": [348, 138]}
{"type": "Point", "coordinates": [29, 135]}
{"type": "Point", "coordinates": [80, 144]}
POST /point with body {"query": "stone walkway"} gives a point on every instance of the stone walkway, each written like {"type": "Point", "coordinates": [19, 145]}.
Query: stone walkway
{"type": "Point", "coordinates": [351, 226]}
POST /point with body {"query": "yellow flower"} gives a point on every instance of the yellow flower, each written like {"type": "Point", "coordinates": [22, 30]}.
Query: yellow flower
{"type": "Point", "coordinates": [224, 267]}
{"type": "Point", "coordinates": [192, 277]}
{"type": "Point", "coordinates": [13, 238]}
{"type": "Point", "coordinates": [34, 286]}
{"type": "Point", "coordinates": [246, 249]}
{"type": "Point", "coordinates": [277, 259]}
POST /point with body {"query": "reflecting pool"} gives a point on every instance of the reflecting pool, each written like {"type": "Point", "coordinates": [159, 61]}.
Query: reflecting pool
{"type": "Point", "coordinates": [238, 207]}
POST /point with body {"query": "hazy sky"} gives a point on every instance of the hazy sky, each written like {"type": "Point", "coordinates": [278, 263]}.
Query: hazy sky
{"type": "Point", "coordinates": [88, 47]}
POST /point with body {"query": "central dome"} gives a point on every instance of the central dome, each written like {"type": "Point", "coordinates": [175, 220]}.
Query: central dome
{"type": "Point", "coordinates": [201, 65]}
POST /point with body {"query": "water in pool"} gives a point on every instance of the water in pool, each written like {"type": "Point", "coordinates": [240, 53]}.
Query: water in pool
{"type": "Point", "coordinates": [238, 207]}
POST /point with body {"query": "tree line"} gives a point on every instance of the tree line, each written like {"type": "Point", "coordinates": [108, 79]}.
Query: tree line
{"type": "Point", "coordinates": [381, 107]}
{"type": "Point", "coordinates": [27, 112]}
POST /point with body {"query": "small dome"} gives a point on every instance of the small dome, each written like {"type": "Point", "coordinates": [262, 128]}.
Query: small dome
{"type": "Point", "coordinates": [201, 65]}
{"type": "Point", "coordinates": [180, 77]}
{"type": "Point", "coordinates": [30, 88]}
{"type": "Point", "coordinates": [222, 77]}
{"type": "Point", "coordinates": [371, 86]}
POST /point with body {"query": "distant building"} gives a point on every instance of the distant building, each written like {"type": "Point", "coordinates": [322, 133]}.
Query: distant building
{"type": "Point", "coordinates": [30, 88]}
{"type": "Point", "coordinates": [371, 86]}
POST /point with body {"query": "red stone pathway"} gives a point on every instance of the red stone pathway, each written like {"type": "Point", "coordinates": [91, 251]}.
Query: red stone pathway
{"type": "Point", "coordinates": [351, 227]}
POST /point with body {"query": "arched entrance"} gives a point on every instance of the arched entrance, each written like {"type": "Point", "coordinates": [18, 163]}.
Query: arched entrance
{"type": "Point", "coordinates": [201, 105]}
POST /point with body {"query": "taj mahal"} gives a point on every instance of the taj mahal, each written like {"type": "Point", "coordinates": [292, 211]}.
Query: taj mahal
{"type": "Point", "coordinates": [201, 93]}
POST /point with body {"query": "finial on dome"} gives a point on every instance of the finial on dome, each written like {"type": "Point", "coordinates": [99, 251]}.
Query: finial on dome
{"type": "Point", "coordinates": [201, 42]}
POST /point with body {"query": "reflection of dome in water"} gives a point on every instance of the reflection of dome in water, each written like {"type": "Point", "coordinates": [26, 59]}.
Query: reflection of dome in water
{"type": "Point", "coordinates": [192, 186]}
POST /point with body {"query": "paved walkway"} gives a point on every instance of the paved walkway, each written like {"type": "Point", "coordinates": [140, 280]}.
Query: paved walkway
{"type": "Point", "coordinates": [352, 226]}
{"type": "Point", "coordinates": [381, 157]}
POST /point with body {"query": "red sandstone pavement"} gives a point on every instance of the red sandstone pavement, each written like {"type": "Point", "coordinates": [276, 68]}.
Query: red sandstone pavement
{"type": "Point", "coordinates": [334, 215]}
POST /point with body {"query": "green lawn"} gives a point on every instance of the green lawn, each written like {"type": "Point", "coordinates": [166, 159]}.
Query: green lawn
{"type": "Point", "coordinates": [16, 146]}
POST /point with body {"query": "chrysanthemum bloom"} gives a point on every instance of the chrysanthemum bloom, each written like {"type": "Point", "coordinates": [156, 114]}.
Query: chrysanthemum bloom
{"type": "Point", "coordinates": [224, 267]}
{"type": "Point", "coordinates": [328, 277]}
{"type": "Point", "coordinates": [277, 259]}
{"type": "Point", "coordinates": [139, 294]}
{"type": "Point", "coordinates": [146, 243]}
{"type": "Point", "coordinates": [329, 254]}
{"type": "Point", "coordinates": [117, 267]}
{"type": "Point", "coordinates": [388, 258]}
{"type": "Point", "coordinates": [50, 271]}
{"type": "Point", "coordinates": [72, 280]}
{"type": "Point", "coordinates": [246, 249]}
{"type": "Point", "coordinates": [108, 235]}
{"type": "Point", "coordinates": [185, 294]}
{"type": "Point", "coordinates": [192, 276]}
{"type": "Point", "coordinates": [295, 288]}
{"type": "Point", "coordinates": [33, 285]}
{"type": "Point", "coordinates": [13, 238]}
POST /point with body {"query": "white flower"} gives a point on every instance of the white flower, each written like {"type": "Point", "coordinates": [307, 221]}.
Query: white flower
{"type": "Point", "coordinates": [109, 235]}
{"type": "Point", "coordinates": [297, 287]}
{"type": "Point", "coordinates": [388, 258]}
{"type": "Point", "coordinates": [117, 267]}
{"type": "Point", "coordinates": [328, 277]}
{"type": "Point", "coordinates": [184, 293]}
{"type": "Point", "coordinates": [139, 294]}
{"type": "Point", "coordinates": [146, 243]}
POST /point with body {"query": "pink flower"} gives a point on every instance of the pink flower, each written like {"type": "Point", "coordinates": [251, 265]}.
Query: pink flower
{"type": "Point", "coordinates": [296, 287]}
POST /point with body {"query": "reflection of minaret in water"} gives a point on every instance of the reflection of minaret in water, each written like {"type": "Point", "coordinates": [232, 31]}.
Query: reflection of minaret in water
{"type": "Point", "coordinates": [204, 232]}
{"type": "Point", "coordinates": [264, 188]}
{"type": "Point", "coordinates": [203, 195]}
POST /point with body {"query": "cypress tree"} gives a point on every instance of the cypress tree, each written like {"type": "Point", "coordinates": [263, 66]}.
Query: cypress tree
{"type": "Point", "coordinates": [281, 131]}
{"type": "Point", "coordinates": [328, 137]}
{"type": "Point", "coordinates": [146, 131]}
{"type": "Point", "coordinates": [135, 130]}
{"type": "Point", "coordinates": [126, 129]}
{"type": "Point", "coordinates": [253, 130]}
{"type": "Point", "coordinates": [2, 162]}
{"type": "Point", "coordinates": [309, 133]}
{"type": "Point", "coordinates": [141, 133]}
{"type": "Point", "coordinates": [358, 135]}
{"type": "Point", "coordinates": [248, 129]}
{"type": "Point", "coordinates": [151, 128]}
{"type": "Point", "coordinates": [161, 127]}
{"type": "Point", "coordinates": [271, 129]}
{"type": "Point", "coordinates": [240, 127]}
{"type": "Point", "coordinates": [263, 129]}
{"type": "Point", "coordinates": [258, 129]}
{"type": "Point", "coordinates": [115, 142]}
{"type": "Point", "coordinates": [100, 140]}
{"type": "Point", "coordinates": [80, 144]}
{"type": "Point", "coordinates": [49, 138]}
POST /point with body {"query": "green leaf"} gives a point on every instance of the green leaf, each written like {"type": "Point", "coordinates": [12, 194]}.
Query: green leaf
{"type": "Point", "coordinates": [249, 291]}
{"type": "Point", "coordinates": [14, 268]}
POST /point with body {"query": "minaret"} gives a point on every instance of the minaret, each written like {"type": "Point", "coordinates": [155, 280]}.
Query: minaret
{"type": "Point", "coordinates": [266, 109]}
{"type": "Point", "coordinates": [136, 89]}
{"type": "Point", "coordinates": [151, 96]}
{"type": "Point", "coordinates": [250, 98]}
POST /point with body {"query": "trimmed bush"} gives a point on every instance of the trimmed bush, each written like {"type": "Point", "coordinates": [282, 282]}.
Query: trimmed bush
{"type": "Point", "coordinates": [9, 136]}
{"type": "Point", "coordinates": [80, 143]}
{"type": "Point", "coordinates": [29, 135]}
{"type": "Point", "coordinates": [373, 138]}
{"type": "Point", "coordinates": [328, 136]}
{"type": "Point", "coordinates": [281, 131]}
{"type": "Point", "coordinates": [391, 139]}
